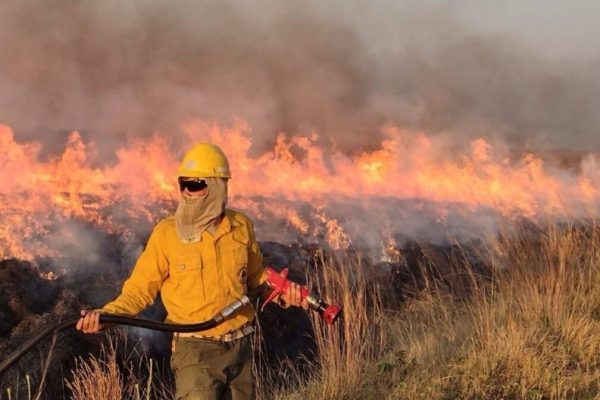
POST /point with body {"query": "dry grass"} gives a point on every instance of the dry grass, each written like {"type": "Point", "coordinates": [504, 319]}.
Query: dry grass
{"type": "Point", "coordinates": [97, 378]}
{"type": "Point", "coordinates": [113, 376]}
{"type": "Point", "coordinates": [531, 332]}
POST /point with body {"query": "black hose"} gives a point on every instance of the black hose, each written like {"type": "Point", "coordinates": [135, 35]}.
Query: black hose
{"type": "Point", "coordinates": [70, 322]}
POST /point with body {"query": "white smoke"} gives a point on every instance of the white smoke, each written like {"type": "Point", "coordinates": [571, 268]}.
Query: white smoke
{"type": "Point", "coordinates": [113, 69]}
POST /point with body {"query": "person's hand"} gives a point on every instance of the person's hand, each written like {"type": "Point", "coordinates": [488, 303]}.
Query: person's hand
{"type": "Point", "coordinates": [293, 297]}
{"type": "Point", "coordinates": [89, 322]}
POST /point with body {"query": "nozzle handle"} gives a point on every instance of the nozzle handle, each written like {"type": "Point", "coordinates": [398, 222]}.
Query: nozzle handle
{"type": "Point", "coordinates": [279, 282]}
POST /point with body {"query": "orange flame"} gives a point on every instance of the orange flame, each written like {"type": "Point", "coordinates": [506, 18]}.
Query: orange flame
{"type": "Point", "coordinates": [295, 183]}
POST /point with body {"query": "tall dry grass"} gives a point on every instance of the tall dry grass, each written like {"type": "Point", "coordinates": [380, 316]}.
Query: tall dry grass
{"type": "Point", "coordinates": [97, 378]}
{"type": "Point", "coordinates": [113, 374]}
{"type": "Point", "coordinates": [530, 329]}
{"type": "Point", "coordinates": [532, 333]}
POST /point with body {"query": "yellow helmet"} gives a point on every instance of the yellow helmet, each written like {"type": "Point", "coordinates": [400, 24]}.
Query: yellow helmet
{"type": "Point", "coordinates": [205, 160]}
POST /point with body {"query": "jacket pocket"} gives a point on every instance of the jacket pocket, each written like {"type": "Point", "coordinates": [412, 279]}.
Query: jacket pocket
{"type": "Point", "coordinates": [188, 280]}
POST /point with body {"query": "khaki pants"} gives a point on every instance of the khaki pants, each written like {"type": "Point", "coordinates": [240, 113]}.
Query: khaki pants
{"type": "Point", "coordinates": [210, 370]}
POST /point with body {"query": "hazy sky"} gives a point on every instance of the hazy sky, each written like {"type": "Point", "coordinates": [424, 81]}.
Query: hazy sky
{"type": "Point", "coordinates": [554, 27]}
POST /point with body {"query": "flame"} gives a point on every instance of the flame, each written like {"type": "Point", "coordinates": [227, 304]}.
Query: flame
{"type": "Point", "coordinates": [49, 276]}
{"type": "Point", "coordinates": [292, 189]}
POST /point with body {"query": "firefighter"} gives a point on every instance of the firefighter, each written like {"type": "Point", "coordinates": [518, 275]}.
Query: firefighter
{"type": "Point", "coordinates": [201, 259]}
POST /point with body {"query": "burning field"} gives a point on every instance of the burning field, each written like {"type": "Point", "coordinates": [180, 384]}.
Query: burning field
{"type": "Point", "coordinates": [437, 177]}
{"type": "Point", "coordinates": [298, 191]}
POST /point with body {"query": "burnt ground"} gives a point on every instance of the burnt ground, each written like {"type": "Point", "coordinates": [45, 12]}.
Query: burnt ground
{"type": "Point", "coordinates": [28, 302]}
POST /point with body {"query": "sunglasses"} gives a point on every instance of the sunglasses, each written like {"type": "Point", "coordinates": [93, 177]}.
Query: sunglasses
{"type": "Point", "coordinates": [194, 185]}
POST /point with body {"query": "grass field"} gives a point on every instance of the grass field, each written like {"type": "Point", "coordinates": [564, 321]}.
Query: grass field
{"type": "Point", "coordinates": [529, 330]}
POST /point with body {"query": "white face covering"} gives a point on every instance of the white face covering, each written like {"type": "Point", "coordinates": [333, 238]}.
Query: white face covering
{"type": "Point", "coordinates": [195, 214]}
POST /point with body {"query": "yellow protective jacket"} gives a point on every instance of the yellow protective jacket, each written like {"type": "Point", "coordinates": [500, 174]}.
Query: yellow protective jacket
{"type": "Point", "coordinates": [196, 280]}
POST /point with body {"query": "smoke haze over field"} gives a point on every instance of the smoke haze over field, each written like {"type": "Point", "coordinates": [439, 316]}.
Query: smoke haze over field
{"type": "Point", "coordinates": [518, 72]}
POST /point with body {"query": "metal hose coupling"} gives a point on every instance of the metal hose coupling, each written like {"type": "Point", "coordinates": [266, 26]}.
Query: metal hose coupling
{"type": "Point", "coordinates": [232, 308]}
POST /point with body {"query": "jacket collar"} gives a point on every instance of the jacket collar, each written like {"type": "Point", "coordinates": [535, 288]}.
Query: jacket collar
{"type": "Point", "coordinates": [227, 224]}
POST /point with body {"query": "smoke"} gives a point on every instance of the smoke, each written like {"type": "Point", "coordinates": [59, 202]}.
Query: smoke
{"type": "Point", "coordinates": [115, 69]}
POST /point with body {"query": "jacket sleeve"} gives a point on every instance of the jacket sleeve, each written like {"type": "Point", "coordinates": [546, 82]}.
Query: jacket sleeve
{"type": "Point", "coordinates": [256, 272]}
{"type": "Point", "coordinates": [146, 279]}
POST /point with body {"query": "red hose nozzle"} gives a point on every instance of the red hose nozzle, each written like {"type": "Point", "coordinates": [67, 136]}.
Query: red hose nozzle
{"type": "Point", "coordinates": [279, 282]}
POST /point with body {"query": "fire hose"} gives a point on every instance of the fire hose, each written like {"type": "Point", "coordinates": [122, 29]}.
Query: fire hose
{"type": "Point", "coordinates": [277, 281]}
{"type": "Point", "coordinates": [122, 320]}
